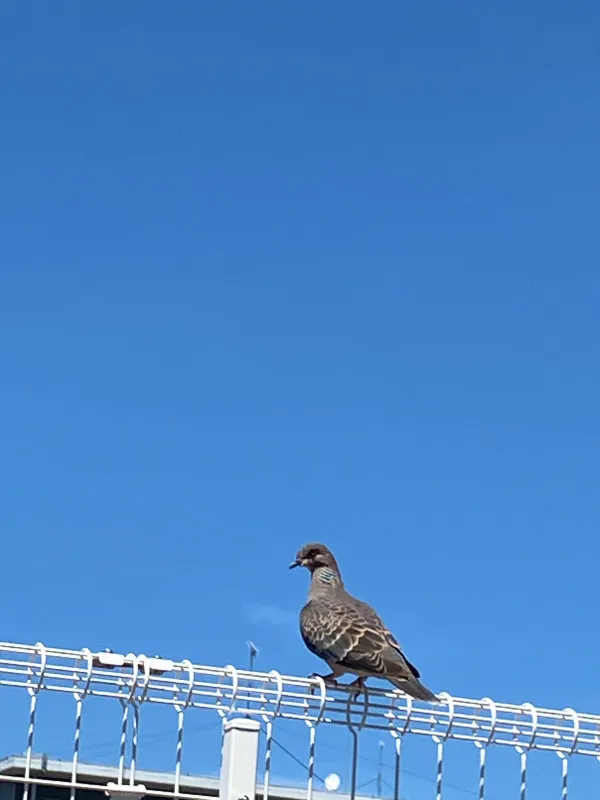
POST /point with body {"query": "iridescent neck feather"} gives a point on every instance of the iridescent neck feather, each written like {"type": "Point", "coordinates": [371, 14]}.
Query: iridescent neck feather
{"type": "Point", "coordinates": [324, 578]}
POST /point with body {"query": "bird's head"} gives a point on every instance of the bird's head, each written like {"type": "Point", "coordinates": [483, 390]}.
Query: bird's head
{"type": "Point", "coordinates": [314, 555]}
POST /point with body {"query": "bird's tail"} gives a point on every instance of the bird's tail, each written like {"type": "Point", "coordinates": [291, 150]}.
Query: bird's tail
{"type": "Point", "coordinates": [415, 689]}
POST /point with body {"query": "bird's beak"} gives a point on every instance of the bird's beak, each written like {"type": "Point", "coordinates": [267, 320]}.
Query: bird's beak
{"type": "Point", "coordinates": [296, 563]}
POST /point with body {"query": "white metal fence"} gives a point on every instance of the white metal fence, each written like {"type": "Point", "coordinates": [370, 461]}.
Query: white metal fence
{"type": "Point", "coordinates": [249, 710]}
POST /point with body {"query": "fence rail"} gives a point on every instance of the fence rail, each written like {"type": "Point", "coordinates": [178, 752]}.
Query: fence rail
{"type": "Point", "coordinates": [136, 681]}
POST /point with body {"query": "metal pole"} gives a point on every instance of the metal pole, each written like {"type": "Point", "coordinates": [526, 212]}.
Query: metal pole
{"type": "Point", "coordinates": [252, 653]}
{"type": "Point", "coordinates": [379, 769]}
{"type": "Point", "coordinates": [253, 649]}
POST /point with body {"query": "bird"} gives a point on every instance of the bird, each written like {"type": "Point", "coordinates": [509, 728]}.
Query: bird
{"type": "Point", "coordinates": [347, 633]}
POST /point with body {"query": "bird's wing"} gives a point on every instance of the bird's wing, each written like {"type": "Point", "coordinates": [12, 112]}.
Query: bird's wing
{"type": "Point", "coordinates": [342, 631]}
{"type": "Point", "coordinates": [375, 620]}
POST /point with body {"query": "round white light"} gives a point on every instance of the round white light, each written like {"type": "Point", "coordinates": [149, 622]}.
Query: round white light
{"type": "Point", "coordinates": [332, 782]}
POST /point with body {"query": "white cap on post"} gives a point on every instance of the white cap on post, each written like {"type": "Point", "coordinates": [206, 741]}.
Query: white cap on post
{"type": "Point", "coordinates": [123, 791]}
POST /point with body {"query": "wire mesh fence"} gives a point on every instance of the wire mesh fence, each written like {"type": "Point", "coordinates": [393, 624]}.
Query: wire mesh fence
{"type": "Point", "coordinates": [143, 726]}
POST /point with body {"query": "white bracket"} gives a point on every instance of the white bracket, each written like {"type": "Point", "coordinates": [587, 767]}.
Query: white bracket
{"type": "Point", "coordinates": [122, 791]}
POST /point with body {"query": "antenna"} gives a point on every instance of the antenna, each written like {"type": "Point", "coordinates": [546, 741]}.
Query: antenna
{"type": "Point", "coordinates": [253, 652]}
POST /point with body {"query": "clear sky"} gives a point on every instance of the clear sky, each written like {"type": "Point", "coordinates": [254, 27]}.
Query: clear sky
{"type": "Point", "coordinates": [278, 272]}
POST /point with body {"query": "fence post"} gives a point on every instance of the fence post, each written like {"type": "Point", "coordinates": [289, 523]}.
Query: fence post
{"type": "Point", "coordinates": [239, 760]}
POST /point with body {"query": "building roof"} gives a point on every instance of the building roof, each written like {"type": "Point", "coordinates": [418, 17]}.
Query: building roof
{"type": "Point", "coordinates": [100, 775]}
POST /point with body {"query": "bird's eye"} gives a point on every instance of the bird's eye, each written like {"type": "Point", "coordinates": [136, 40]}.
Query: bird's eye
{"type": "Point", "coordinates": [313, 554]}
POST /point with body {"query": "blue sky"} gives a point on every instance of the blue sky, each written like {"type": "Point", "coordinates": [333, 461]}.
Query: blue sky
{"type": "Point", "coordinates": [278, 272]}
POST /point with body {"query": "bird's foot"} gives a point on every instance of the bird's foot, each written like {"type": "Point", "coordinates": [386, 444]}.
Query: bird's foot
{"type": "Point", "coordinates": [328, 680]}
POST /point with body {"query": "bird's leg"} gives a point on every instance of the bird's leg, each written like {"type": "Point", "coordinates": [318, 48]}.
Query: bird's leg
{"type": "Point", "coordinates": [356, 687]}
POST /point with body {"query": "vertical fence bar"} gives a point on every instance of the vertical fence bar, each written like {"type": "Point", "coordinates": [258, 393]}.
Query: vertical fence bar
{"type": "Point", "coordinates": [79, 694]}
{"type": "Point", "coordinates": [523, 786]}
{"type": "Point", "coordinates": [33, 691]}
{"type": "Point", "coordinates": [564, 789]}
{"type": "Point", "coordinates": [483, 746]}
{"type": "Point", "coordinates": [268, 716]}
{"type": "Point", "coordinates": [122, 742]}
{"type": "Point", "coordinates": [312, 733]}
{"type": "Point", "coordinates": [354, 731]}
{"type": "Point", "coordinates": [481, 782]}
{"type": "Point", "coordinates": [439, 771]}
{"type": "Point", "coordinates": [440, 740]}
{"type": "Point", "coordinates": [134, 743]}
{"type": "Point", "coordinates": [312, 740]}
{"type": "Point", "coordinates": [397, 734]}
{"type": "Point", "coordinates": [180, 708]}
{"type": "Point", "coordinates": [130, 659]}
{"type": "Point", "coordinates": [397, 765]}
{"type": "Point", "coordinates": [136, 702]}
{"type": "Point", "coordinates": [525, 748]}
{"type": "Point", "coordinates": [564, 757]}
{"type": "Point", "coordinates": [268, 757]}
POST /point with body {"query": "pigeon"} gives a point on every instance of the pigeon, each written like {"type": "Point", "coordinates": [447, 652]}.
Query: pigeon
{"type": "Point", "coordinates": [347, 633]}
